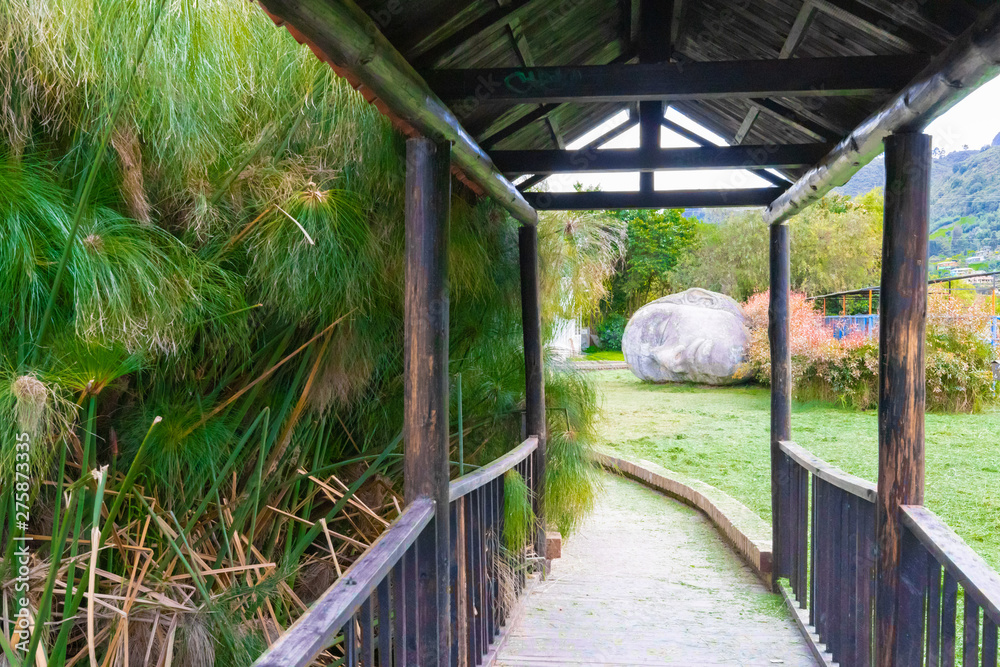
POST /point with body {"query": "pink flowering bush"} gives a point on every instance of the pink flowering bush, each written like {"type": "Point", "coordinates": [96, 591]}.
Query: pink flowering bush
{"type": "Point", "coordinates": [958, 355]}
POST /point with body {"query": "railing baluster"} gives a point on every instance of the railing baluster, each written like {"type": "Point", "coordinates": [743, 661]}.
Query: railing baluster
{"type": "Point", "coordinates": [482, 601]}
{"type": "Point", "coordinates": [911, 594]}
{"type": "Point", "coordinates": [813, 550]}
{"type": "Point", "coordinates": [949, 611]}
{"type": "Point", "coordinates": [367, 620]}
{"type": "Point", "coordinates": [823, 568]}
{"type": "Point", "coordinates": [790, 479]}
{"type": "Point", "coordinates": [849, 607]}
{"type": "Point", "coordinates": [471, 560]}
{"type": "Point", "coordinates": [839, 608]}
{"type": "Point", "coordinates": [412, 629]}
{"type": "Point", "coordinates": [399, 612]}
{"type": "Point", "coordinates": [488, 569]}
{"type": "Point", "coordinates": [802, 546]}
{"type": "Point", "coordinates": [457, 613]}
{"type": "Point", "coordinates": [384, 624]}
{"type": "Point", "coordinates": [989, 642]}
{"type": "Point", "coordinates": [933, 613]}
{"type": "Point", "coordinates": [350, 644]}
{"type": "Point", "coordinates": [970, 634]}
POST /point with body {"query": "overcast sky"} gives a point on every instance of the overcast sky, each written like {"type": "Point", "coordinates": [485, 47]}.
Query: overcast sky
{"type": "Point", "coordinates": [974, 122]}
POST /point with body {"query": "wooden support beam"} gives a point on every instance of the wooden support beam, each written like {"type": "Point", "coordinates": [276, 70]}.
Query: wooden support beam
{"type": "Point", "coordinates": [796, 120]}
{"type": "Point", "coordinates": [342, 34]}
{"type": "Point", "coordinates": [650, 117]}
{"type": "Point", "coordinates": [655, 46]}
{"type": "Point", "coordinates": [903, 312]}
{"type": "Point", "coordinates": [524, 121]}
{"type": "Point", "coordinates": [534, 374]}
{"type": "Point", "coordinates": [865, 18]}
{"type": "Point", "coordinates": [616, 131]}
{"type": "Point", "coordinates": [702, 141]}
{"type": "Point", "coordinates": [631, 159]}
{"type": "Point", "coordinates": [491, 20]}
{"type": "Point", "coordinates": [781, 384]}
{"type": "Point", "coordinates": [425, 392]}
{"type": "Point", "coordinates": [795, 34]}
{"type": "Point", "coordinates": [600, 201]}
{"type": "Point", "coordinates": [664, 82]}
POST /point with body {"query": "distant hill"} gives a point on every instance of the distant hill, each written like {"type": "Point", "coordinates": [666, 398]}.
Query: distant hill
{"type": "Point", "coordinates": [965, 197]}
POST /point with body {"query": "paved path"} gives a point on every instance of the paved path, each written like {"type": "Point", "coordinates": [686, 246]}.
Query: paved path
{"type": "Point", "coordinates": [648, 581]}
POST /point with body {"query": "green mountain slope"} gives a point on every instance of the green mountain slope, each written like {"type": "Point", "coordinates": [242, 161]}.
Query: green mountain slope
{"type": "Point", "coordinates": [965, 198]}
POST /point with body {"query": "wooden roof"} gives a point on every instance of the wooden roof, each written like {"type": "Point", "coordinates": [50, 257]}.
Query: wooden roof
{"type": "Point", "coordinates": [439, 34]}
{"type": "Point", "coordinates": [521, 79]}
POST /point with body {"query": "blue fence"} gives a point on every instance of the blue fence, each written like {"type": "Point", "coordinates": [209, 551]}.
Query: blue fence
{"type": "Point", "coordinates": [847, 324]}
{"type": "Point", "coordinates": [868, 324]}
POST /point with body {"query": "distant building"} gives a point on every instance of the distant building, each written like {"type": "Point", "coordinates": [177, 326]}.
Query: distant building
{"type": "Point", "coordinates": [977, 259]}
{"type": "Point", "coordinates": [962, 271]}
{"type": "Point", "coordinates": [947, 264]}
{"type": "Point", "coordinates": [981, 280]}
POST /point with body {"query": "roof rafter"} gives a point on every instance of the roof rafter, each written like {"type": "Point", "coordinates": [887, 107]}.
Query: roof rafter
{"type": "Point", "coordinates": [600, 201]}
{"type": "Point", "coordinates": [632, 159]}
{"type": "Point", "coordinates": [799, 77]}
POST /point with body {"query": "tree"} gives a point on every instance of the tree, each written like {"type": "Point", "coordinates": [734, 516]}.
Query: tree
{"type": "Point", "coordinates": [835, 245]}
{"type": "Point", "coordinates": [656, 241]}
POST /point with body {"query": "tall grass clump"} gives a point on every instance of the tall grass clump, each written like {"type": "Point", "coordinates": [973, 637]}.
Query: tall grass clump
{"type": "Point", "coordinates": [201, 303]}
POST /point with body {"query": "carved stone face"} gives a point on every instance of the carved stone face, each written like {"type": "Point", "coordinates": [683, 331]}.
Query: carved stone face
{"type": "Point", "coordinates": [694, 336]}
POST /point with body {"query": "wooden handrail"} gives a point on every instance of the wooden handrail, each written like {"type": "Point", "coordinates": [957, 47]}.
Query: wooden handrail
{"type": "Point", "coordinates": [965, 565]}
{"type": "Point", "coordinates": [472, 481]}
{"type": "Point", "coordinates": [854, 485]}
{"type": "Point", "coordinates": [318, 627]}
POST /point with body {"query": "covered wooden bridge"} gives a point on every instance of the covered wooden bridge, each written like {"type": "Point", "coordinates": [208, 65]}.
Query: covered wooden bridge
{"type": "Point", "coordinates": [806, 92]}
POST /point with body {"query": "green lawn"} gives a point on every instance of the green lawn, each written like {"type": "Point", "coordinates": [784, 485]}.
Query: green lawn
{"type": "Point", "coordinates": [601, 355]}
{"type": "Point", "coordinates": [721, 437]}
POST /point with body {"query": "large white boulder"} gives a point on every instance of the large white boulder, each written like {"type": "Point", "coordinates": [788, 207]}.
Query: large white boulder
{"type": "Point", "coordinates": [693, 336]}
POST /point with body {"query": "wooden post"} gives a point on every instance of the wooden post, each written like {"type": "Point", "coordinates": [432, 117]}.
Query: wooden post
{"type": "Point", "coordinates": [534, 375]}
{"type": "Point", "coordinates": [781, 381]}
{"type": "Point", "coordinates": [425, 394]}
{"type": "Point", "coordinates": [869, 302]}
{"type": "Point", "coordinates": [903, 312]}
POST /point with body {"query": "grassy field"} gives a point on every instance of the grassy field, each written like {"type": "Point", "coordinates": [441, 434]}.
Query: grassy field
{"type": "Point", "coordinates": [720, 435]}
{"type": "Point", "coordinates": [601, 355]}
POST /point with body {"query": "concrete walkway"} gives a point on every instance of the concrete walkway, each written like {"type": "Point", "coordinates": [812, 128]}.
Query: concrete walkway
{"type": "Point", "coordinates": [648, 581]}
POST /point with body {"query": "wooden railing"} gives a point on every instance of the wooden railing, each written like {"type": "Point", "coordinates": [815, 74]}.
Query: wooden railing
{"type": "Point", "coordinates": [371, 614]}
{"type": "Point", "coordinates": [935, 566]}
{"type": "Point", "coordinates": [825, 548]}
{"type": "Point", "coordinates": [825, 542]}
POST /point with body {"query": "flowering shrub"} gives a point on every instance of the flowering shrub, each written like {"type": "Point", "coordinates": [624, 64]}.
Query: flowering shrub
{"type": "Point", "coordinates": [958, 355]}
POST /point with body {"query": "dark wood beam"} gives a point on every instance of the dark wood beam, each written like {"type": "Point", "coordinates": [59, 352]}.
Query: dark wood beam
{"type": "Point", "coordinates": [491, 20]}
{"type": "Point", "coordinates": [656, 18]}
{"type": "Point", "coordinates": [614, 132]}
{"type": "Point", "coordinates": [534, 372]}
{"type": "Point", "coordinates": [425, 380]}
{"type": "Point", "coordinates": [781, 388]}
{"type": "Point", "coordinates": [702, 141]}
{"type": "Point", "coordinates": [796, 120]}
{"type": "Point", "coordinates": [524, 121]}
{"type": "Point", "coordinates": [901, 395]}
{"type": "Point", "coordinates": [600, 201]}
{"type": "Point", "coordinates": [541, 112]}
{"type": "Point", "coordinates": [655, 46]}
{"type": "Point", "coordinates": [888, 29]}
{"type": "Point", "coordinates": [798, 77]}
{"type": "Point", "coordinates": [795, 34]}
{"type": "Point", "coordinates": [631, 159]}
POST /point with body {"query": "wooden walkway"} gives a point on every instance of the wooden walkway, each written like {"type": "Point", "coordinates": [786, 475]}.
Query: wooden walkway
{"type": "Point", "coordinates": [648, 581]}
